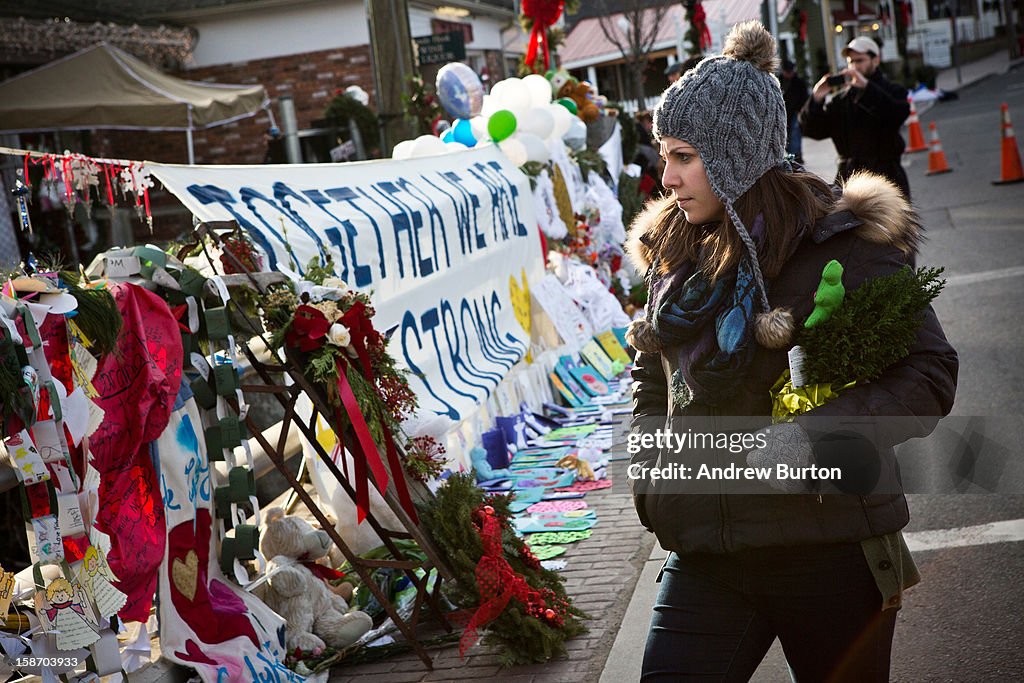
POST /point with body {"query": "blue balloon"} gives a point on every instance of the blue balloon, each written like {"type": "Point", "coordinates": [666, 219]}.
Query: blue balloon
{"type": "Point", "coordinates": [460, 91]}
{"type": "Point", "coordinates": [463, 132]}
{"type": "Point", "coordinates": [449, 136]}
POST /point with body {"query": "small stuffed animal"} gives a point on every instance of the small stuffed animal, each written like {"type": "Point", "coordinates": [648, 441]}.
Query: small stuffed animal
{"type": "Point", "coordinates": [830, 294]}
{"type": "Point", "coordinates": [297, 588]}
{"type": "Point", "coordinates": [580, 93]}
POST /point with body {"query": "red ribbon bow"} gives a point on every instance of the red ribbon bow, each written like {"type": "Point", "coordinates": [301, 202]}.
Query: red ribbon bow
{"type": "Point", "coordinates": [308, 329]}
{"type": "Point", "coordinates": [544, 13]}
{"type": "Point", "coordinates": [700, 23]}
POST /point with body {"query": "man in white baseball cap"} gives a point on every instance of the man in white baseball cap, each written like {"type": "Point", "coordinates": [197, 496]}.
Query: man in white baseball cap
{"type": "Point", "coordinates": [863, 117]}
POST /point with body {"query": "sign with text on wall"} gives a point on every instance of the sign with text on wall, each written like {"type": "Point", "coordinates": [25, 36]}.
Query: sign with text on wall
{"type": "Point", "coordinates": [433, 240]}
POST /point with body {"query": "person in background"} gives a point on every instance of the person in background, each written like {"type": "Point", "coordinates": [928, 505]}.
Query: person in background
{"type": "Point", "coordinates": [675, 71]}
{"type": "Point", "coordinates": [646, 156]}
{"type": "Point", "coordinates": [794, 94]}
{"type": "Point", "coordinates": [863, 118]}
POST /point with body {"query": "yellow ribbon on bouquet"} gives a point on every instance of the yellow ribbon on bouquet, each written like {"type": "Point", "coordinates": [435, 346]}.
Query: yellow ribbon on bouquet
{"type": "Point", "coordinates": [789, 401]}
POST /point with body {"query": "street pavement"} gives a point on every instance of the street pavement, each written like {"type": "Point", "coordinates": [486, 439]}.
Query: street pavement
{"type": "Point", "coordinates": [965, 621]}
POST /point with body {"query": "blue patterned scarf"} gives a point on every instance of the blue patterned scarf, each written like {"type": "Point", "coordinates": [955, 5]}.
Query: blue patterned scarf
{"type": "Point", "coordinates": [712, 359]}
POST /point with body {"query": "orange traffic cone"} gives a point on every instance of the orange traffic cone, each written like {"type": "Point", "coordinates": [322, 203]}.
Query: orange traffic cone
{"type": "Point", "coordinates": [916, 142]}
{"type": "Point", "coordinates": [1012, 171]}
{"type": "Point", "coordinates": [936, 157]}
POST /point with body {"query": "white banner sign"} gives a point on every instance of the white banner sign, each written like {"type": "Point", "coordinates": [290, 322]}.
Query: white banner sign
{"type": "Point", "coordinates": [434, 240]}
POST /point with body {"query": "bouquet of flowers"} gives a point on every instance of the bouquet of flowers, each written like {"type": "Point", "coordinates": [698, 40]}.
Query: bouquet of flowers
{"type": "Point", "coordinates": [853, 339]}
{"type": "Point", "coordinates": [328, 329]}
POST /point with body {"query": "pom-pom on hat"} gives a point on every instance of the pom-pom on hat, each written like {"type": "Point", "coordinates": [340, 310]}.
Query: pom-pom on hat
{"type": "Point", "coordinates": [730, 108]}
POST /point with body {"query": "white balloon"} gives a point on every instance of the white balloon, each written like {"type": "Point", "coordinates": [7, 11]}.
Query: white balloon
{"type": "Point", "coordinates": [576, 136]}
{"type": "Point", "coordinates": [536, 149]}
{"type": "Point", "coordinates": [538, 121]}
{"type": "Point", "coordinates": [454, 147]}
{"type": "Point", "coordinates": [403, 150]}
{"type": "Point", "coordinates": [478, 124]}
{"type": "Point", "coordinates": [427, 145]}
{"type": "Point", "coordinates": [540, 89]}
{"type": "Point", "coordinates": [515, 96]}
{"type": "Point", "coordinates": [489, 106]}
{"type": "Point", "coordinates": [496, 89]}
{"type": "Point", "coordinates": [514, 149]}
{"type": "Point", "coordinates": [563, 119]}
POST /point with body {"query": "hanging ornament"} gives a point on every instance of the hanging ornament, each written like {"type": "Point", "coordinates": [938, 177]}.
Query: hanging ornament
{"type": "Point", "coordinates": [84, 176]}
{"type": "Point", "coordinates": [135, 178]}
{"type": "Point", "coordinates": [67, 178]}
{"type": "Point", "coordinates": [22, 193]}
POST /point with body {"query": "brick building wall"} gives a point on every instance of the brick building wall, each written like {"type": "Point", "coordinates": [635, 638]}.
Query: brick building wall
{"type": "Point", "coordinates": [312, 79]}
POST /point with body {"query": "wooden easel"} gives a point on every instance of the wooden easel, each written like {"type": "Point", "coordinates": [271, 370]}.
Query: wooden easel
{"type": "Point", "coordinates": [270, 375]}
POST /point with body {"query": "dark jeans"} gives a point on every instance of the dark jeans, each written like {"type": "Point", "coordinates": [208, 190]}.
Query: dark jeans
{"type": "Point", "coordinates": [717, 615]}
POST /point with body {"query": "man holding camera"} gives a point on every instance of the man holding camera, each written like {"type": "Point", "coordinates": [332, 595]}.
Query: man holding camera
{"type": "Point", "coordinates": [863, 118]}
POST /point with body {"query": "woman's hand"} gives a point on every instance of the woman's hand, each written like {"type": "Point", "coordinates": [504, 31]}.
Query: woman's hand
{"type": "Point", "coordinates": [785, 444]}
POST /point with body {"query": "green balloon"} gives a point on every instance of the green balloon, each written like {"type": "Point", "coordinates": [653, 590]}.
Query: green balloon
{"type": "Point", "coordinates": [568, 104]}
{"type": "Point", "coordinates": [501, 124]}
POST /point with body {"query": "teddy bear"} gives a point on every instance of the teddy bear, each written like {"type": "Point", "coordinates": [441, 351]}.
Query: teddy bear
{"type": "Point", "coordinates": [581, 93]}
{"type": "Point", "coordinates": [297, 588]}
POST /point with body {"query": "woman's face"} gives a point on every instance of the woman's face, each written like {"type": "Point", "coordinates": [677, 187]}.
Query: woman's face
{"type": "Point", "coordinates": [684, 175]}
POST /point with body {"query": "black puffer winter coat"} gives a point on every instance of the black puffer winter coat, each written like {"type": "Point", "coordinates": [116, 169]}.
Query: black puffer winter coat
{"type": "Point", "coordinates": [872, 231]}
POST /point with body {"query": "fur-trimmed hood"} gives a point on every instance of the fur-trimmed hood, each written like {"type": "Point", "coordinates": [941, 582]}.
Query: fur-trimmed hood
{"type": "Point", "coordinates": [869, 204]}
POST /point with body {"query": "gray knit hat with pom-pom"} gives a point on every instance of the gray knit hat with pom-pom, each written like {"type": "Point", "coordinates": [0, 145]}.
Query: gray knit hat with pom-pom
{"type": "Point", "coordinates": [730, 109]}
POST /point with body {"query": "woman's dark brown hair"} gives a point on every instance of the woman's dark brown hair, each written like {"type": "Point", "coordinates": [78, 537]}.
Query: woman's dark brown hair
{"type": "Point", "coordinates": [786, 200]}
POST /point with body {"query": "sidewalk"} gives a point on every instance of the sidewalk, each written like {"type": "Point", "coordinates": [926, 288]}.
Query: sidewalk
{"type": "Point", "coordinates": [998, 63]}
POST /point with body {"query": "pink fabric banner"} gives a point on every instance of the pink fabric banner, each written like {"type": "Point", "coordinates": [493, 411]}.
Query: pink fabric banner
{"type": "Point", "coordinates": [137, 386]}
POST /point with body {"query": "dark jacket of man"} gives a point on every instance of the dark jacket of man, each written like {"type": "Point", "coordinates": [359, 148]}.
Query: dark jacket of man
{"type": "Point", "coordinates": [913, 393]}
{"type": "Point", "coordinates": [865, 125]}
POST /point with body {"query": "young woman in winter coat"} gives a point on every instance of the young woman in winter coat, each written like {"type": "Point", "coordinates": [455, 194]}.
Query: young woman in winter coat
{"type": "Point", "coordinates": [734, 254]}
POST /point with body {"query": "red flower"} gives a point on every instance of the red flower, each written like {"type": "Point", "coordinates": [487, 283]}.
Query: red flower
{"type": "Point", "coordinates": [308, 329]}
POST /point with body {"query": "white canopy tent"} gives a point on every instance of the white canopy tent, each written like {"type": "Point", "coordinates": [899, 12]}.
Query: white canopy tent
{"type": "Point", "coordinates": [105, 87]}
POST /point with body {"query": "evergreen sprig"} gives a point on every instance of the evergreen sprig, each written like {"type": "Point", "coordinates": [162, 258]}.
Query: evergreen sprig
{"type": "Point", "coordinates": [519, 637]}
{"type": "Point", "coordinates": [873, 328]}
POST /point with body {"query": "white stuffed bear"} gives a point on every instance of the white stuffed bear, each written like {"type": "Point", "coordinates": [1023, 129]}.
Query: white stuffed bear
{"type": "Point", "coordinates": [316, 614]}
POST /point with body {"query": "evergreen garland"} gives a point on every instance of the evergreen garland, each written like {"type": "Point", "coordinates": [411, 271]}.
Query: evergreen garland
{"type": "Point", "coordinates": [874, 327]}
{"type": "Point", "coordinates": [520, 638]}
{"type": "Point", "coordinates": [630, 198]}
{"type": "Point", "coordinates": [590, 161]}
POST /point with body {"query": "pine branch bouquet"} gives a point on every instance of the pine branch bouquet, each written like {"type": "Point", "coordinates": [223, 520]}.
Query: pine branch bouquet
{"type": "Point", "coordinates": [524, 607]}
{"type": "Point", "coordinates": [872, 328]}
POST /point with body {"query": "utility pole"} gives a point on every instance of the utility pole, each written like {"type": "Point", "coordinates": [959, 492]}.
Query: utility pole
{"type": "Point", "coordinates": [771, 10]}
{"type": "Point", "coordinates": [826, 26]}
{"type": "Point", "coordinates": [391, 51]}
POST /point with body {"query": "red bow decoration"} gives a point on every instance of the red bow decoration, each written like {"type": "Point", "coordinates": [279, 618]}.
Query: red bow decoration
{"type": "Point", "coordinates": [544, 14]}
{"type": "Point", "coordinates": [498, 583]}
{"type": "Point", "coordinates": [320, 571]}
{"type": "Point", "coordinates": [700, 23]}
{"type": "Point", "coordinates": [308, 329]}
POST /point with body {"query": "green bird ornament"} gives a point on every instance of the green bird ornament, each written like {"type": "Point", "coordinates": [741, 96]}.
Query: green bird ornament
{"type": "Point", "coordinates": [829, 296]}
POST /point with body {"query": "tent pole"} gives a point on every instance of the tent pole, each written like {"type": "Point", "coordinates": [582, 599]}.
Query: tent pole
{"type": "Point", "coordinates": [188, 135]}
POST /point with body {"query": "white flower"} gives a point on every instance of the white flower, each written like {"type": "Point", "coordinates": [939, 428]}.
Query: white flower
{"type": "Point", "coordinates": [339, 335]}
{"type": "Point", "coordinates": [335, 283]}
